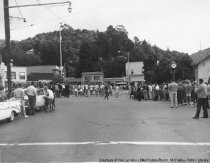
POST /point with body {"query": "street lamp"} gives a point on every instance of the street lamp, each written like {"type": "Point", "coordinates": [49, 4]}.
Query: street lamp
{"type": "Point", "coordinates": [173, 67]}
{"type": "Point", "coordinates": [128, 61]}
{"type": "Point", "coordinates": [60, 40]}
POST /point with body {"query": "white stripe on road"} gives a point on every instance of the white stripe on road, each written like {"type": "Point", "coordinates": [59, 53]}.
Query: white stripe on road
{"type": "Point", "coordinates": [97, 143]}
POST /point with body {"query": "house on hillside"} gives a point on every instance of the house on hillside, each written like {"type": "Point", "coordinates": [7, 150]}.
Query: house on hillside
{"type": "Point", "coordinates": [201, 63]}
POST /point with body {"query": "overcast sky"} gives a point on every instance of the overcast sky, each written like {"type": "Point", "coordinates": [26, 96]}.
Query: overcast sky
{"type": "Point", "coordinates": [175, 24]}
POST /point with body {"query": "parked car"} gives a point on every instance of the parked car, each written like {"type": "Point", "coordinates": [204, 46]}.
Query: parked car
{"type": "Point", "coordinates": [9, 109]}
{"type": "Point", "coordinates": [40, 102]}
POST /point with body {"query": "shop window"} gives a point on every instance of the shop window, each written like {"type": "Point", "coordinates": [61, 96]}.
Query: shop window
{"type": "Point", "coordinates": [13, 75]}
{"type": "Point", "coordinates": [87, 78]}
{"type": "Point", "coordinates": [22, 75]}
{"type": "Point", "coordinates": [96, 77]}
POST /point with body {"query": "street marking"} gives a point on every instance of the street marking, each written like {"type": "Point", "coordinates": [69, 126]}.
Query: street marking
{"type": "Point", "coordinates": [98, 143]}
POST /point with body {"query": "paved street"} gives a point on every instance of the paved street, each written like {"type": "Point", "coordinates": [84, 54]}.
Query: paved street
{"type": "Point", "coordinates": [94, 129]}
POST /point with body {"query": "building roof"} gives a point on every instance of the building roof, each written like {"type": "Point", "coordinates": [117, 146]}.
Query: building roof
{"type": "Point", "coordinates": [92, 73]}
{"type": "Point", "coordinates": [200, 56]}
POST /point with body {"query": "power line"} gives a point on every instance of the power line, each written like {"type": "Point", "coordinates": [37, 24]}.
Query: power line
{"type": "Point", "coordinates": [19, 9]}
{"type": "Point", "coordinates": [49, 10]}
{"type": "Point", "coordinates": [44, 4]}
{"type": "Point", "coordinates": [64, 17]}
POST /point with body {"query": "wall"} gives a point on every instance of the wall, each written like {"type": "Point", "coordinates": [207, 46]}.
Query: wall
{"type": "Point", "coordinates": [91, 77]}
{"type": "Point", "coordinates": [43, 69]}
{"type": "Point", "coordinates": [137, 68]}
{"type": "Point", "coordinates": [134, 71]}
{"type": "Point", "coordinates": [204, 70]}
{"type": "Point", "coordinates": [16, 71]}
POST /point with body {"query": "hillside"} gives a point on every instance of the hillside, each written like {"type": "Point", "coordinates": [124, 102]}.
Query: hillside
{"type": "Point", "coordinates": [85, 50]}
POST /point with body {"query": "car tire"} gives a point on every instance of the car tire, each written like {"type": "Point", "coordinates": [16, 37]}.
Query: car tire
{"type": "Point", "coordinates": [12, 117]}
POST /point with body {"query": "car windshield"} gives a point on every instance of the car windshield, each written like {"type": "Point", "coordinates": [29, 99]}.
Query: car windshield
{"type": "Point", "coordinates": [40, 92]}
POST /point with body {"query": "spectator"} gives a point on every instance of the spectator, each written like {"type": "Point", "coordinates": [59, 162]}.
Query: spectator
{"type": "Point", "coordinates": [202, 94]}
{"type": "Point", "coordinates": [150, 91]}
{"type": "Point", "coordinates": [208, 94]}
{"type": "Point", "coordinates": [31, 92]}
{"type": "Point", "coordinates": [173, 87]}
{"type": "Point", "coordinates": [19, 94]}
{"type": "Point", "coordinates": [188, 92]}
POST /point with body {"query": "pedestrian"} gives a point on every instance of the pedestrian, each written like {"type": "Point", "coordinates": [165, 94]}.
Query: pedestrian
{"type": "Point", "coordinates": [31, 92]}
{"type": "Point", "coordinates": [106, 91]}
{"type": "Point", "coordinates": [208, 94]}
{"type": "Point", "coordinates": [202, 95]}
{"type": "Point", "coordinates": [49, 98]}
{"type": "Point", "coordinates": [132, 92]}
{"type": "Point", "coordinates": [173, 87]}
{"type": "Point", "coordinates": [19, 94]}
{"type": "Point", "coordinates": [56, 90]}
{"type": "Point", "coordinates": [67, 90]}
{"type": "Point", "coordinates": [150, 91]}
{"type": "Point", "coordinates": [180, 94]}
{"type": "Point", "coordinates": [188, 92]}
{"type": "Point", "coordinates": [117, 91]}
{"type": "Point", "coordinates": [145, 91]}
{"type": "Point", "coordinates": [139, 93]}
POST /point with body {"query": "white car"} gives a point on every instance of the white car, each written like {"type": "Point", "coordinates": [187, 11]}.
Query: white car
{"type": "Point", "coordinates": [40, 102]}
{"type": "Point", "coordinates": [9, 109]}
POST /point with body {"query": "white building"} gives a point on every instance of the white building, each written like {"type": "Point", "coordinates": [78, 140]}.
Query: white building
{"type": "Point", "coordinates": [201, 63]}
{"type": "Point", "coordinates": [92, 77]}
{"type": "Point", "coordinates": [134, 71]}
{"type": "Point", "coordinates": [18, 74]}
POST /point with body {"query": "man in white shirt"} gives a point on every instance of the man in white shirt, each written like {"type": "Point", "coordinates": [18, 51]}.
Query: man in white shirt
{"type": "Point", "coordinates": [173, 87]}
{"type": "Point", "coordinates": [19, 94]}
{"type": "Point", "coordinates": [31, 92]}
{"type": "Point", "coordinates": [150, 91]}
{"type": "Point", "coordinates": [49, 96]}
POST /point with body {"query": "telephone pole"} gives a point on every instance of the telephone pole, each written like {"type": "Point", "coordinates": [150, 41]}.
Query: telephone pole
{"type": "Point", "coordinates": [7, 33]}
{"type": "Point", "coordinates": [7, 42]}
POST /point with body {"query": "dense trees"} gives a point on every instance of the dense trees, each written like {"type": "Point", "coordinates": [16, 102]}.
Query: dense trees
{"type": "Point", "coordinates": [85, 50]}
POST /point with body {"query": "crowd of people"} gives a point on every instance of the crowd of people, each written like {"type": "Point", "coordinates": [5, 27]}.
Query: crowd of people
{"type": "Point", "coordinates": [178, 93]}
{"type": "Point", "coordinates": [19, 91]}
{"type": "Point", "coordinates": [85, 90]}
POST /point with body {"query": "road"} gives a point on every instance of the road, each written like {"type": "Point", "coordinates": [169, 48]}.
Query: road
{"type": "Point", "coordinates": [93, 129]}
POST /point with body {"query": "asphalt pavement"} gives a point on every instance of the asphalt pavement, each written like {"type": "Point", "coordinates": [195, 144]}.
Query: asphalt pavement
{"type": "Point", "coordinates": [91, 129]}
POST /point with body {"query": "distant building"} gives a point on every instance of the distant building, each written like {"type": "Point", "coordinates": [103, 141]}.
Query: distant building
{"type": "Point", "coordinates": [116, 81]}
{"type": "Point", "coordinates": [44, 72]}
{"type": "Point", "coordinates": [92, 77]}
{"type": "Point", "coordinates": [31, 51]}
{"type": "Point", "coordinates": [73, 80]}
{"type": "Point", "coordinates": [201, 63]}
{"type": "Point", "coordinates": [134, 71]}
{"type": "Point", "coordinates": [18, 74]}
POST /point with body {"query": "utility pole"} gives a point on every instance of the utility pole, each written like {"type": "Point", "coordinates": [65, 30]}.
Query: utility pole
{"type": "Point", "coordinates": [7, 33]}
{"type": "Point", "coordinates": [7, 42]}
{"type": "Point", "coordinates": [60, 41]}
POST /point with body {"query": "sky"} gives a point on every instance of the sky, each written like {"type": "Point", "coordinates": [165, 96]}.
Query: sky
{"type": "Point", "coordinates": [181, 25]}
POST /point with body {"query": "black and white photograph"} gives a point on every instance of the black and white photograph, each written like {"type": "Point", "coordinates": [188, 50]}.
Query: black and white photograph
{"type": "Point", "coordinates": [110, 81]}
